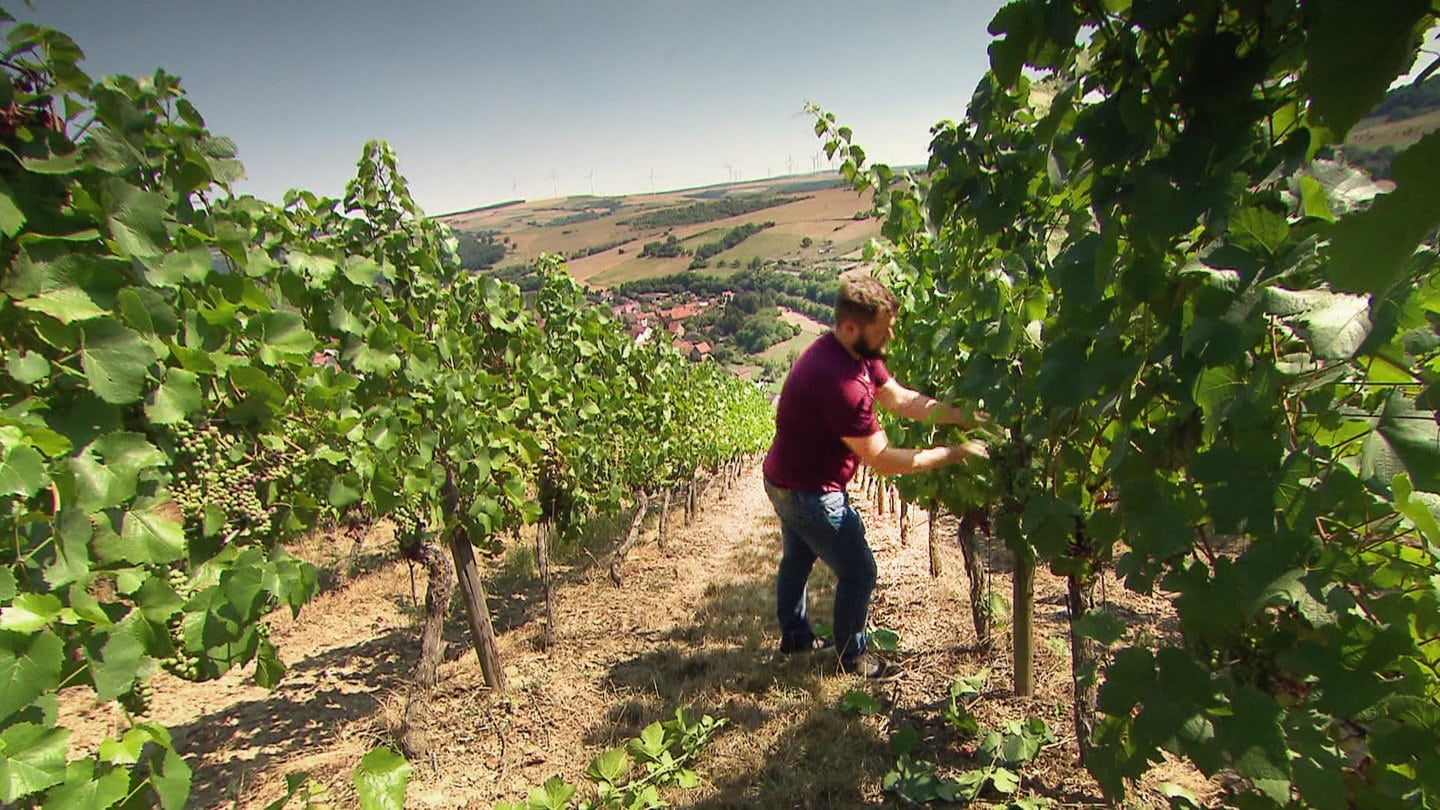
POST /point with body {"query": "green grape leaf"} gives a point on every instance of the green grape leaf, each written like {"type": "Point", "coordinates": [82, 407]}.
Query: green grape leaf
{"type": "Point", "coordinates": [115, 360]}
{"type": "Point", "coordinates": [176, 398]}
{"type": "Point", "coordinates": [1313, 199]}
{"type": "Point", "coordinates": [108, 471]}
{"type": "Point", "coordinates": [12, 219]}
{"type": "Point", "coordinates": [122, 656]}
{"type": "Point", "coordinates": [29, 667]}
{"type": "Point", "coordinates": [293, 783]}
{"type": "Point", "coordinates": [381, 780]}
{"type": "Point", "coordinates": [148, 534]}
{"type": "Point", "coordinates": [342, 493]}
{"type": "Point", "coordinates": [1253, 734]}
{"type": "Point", "coordinates": [610, 767]}
{"type": "Point", "coordinates": [66, 305]}
{"type": "Point", "coordinates": [1335, 325]}
{"type": "Point", "coordinates": [904, 740]}
{"type": "Point", "coordinates": [136, 220]}
{"type": "Point", "coordinates": [284, 337]}
{"type": "Point", "coordinates": [269, 669]}
{"type": "Point", "coordinates": [361, 270]}
{"type": "Point", "coordinates": [1415, 509]}
{"type": "Point", "coordinates": [30, 612]}
{"type": "Point", "coordinates": [1101, 625]}
{"type": "Point", "coordinates": [1259, 227]}
{"type": "Point", "coordinates": [1404, 441]}
{"type": "Point", "coordinates": [22, 470]}
{"type": "Point", "coordinates": [74, 532]}
{"type": "Point", "coordinates": [170, 777]}
{"type": "Point", "coordinates": [885, 639]}
{"type": "Point", "coordinates": [82, 790]}
{"type": "Point", "coordinates": [34, 759]}
{"type": "Point", "coordinates": [263, 396]}
{"type": "Point", "coordinates": [27, 368]}
{"type": "Point", "coordinates": [147, 311]}
{"type": "Point", "coordinates": [316, 269]}
{"type": "Point", "coordinates": [1006, 782]}
{"type": "Point", "coordinates": [1008, 52]}
{"type": "Point", "coordinates": [860, 702]}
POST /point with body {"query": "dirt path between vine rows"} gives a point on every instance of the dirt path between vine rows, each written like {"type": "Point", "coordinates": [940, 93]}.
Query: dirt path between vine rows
{"type": "Point", "coordinates": [691, 628]}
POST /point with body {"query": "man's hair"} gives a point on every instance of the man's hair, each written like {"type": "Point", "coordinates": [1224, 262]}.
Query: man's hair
{"type": "Point", "coordinates": [862, 299]}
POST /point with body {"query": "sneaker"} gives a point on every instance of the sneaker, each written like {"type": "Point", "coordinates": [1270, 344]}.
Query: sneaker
{"type": "Point", "coordinates": [789, 646]}
{"type": "Point", "coordinates": [871, 667]}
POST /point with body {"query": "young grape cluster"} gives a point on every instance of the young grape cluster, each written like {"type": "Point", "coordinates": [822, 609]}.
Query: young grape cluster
{"type": "Point", "coordinates": [410, 525]}
{"type": "Point", "coordinates": [213, 468]}
{"type": "Point", "coordinates": [181, 664]}
{"type": "Point", "coordinates": [137, 701]}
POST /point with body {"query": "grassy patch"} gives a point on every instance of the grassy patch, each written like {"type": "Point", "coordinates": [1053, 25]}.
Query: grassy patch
{"type": "Point", "coordinates": [637, 269]}
{"type": "Point", "coordinates": [785, 348]}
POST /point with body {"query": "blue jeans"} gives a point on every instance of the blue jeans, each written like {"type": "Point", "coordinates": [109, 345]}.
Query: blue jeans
{"type": "Point", "coordinates": [823, 525]}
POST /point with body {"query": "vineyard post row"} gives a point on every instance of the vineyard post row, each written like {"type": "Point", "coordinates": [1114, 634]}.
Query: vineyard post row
{"type": "Point", "coordinates": [191, 378]}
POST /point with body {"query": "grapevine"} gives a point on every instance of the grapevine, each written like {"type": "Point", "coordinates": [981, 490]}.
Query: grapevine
{"type": "Point", "coordinates": [1139, 250]}
{"type": "Point", "coordinates": [165, 425]}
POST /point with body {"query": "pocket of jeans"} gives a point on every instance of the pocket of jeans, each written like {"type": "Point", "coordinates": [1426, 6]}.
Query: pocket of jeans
{"type": "Point", "coordinates": [832, 506]}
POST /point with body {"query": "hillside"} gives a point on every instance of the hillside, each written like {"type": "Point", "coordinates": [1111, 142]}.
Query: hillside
{"type": "Point", "coordinates": [1406, 115]}
{"type": "Point", "coordinates": [815, 218]}
{"type": "Point", "coordinates": [742, 273]}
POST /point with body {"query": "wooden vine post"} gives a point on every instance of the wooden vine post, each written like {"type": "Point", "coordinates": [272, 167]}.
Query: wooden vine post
{"type": "Point", "coordinates": [664, 517]}
{"type": "Point", "coordinates": [1023, 601]}
{"type": "Point", "coordinates": [936, 568]}
{"type": "Point", "coordinates": [1085, 652]}
{"type": "Point", "coordinates": [544, 530]}
{"type": "Point", "coordinates": [472, 591]}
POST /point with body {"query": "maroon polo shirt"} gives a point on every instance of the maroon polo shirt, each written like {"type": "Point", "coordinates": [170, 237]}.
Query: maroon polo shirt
{"type": "Point", "coordinates": [828, 394]}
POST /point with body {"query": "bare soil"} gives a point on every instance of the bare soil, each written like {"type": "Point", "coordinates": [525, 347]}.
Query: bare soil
{"type": "Point", "coordinates": [692, 627]}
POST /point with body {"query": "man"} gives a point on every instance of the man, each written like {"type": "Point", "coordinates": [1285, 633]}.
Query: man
{"type": "Point", "coordinates": [825, 427]}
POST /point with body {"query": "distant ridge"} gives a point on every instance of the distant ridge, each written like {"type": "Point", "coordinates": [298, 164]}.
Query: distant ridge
{"type": "Point", "coordinates": [478, 209]}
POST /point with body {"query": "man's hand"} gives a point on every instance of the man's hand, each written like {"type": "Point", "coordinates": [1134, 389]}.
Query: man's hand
{"type": "Point", "coordinates": [975, 420]}
{"type": "Point", "coordinates": [972, 449]}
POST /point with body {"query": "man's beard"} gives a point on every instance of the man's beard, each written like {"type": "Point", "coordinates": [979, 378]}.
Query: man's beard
{"type": "Point", "coordinates": [865, 350]}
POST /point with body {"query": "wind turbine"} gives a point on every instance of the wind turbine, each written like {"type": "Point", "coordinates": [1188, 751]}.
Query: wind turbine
{"type": "Point", "coordinates": [729, 170]}
{"type": "Point", "coordinates": [789, 164]}
{"type": "Point", "coordinates": [652, 181]}
{"type": "Point", "coordinates": [555, 183]}
{"type": "Point", "coordinates": [591, 177]}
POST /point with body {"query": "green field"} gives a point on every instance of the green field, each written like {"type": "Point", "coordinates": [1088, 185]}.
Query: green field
{"type": "Point", "coordinates": [785, 348]}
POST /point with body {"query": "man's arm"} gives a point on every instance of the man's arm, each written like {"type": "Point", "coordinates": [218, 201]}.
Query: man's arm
{"type": "Point", "coordinates": [876, 452]}
{"type": "Point", "coordinates": [902, 401]}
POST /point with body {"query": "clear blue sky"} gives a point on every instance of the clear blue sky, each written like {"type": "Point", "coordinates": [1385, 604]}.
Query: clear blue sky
{"type": "Point", "coordinates": [485, 100]}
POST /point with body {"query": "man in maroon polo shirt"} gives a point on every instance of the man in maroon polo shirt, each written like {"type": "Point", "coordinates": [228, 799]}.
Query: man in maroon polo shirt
{"type": "Point", "coordinates": [825, 427]}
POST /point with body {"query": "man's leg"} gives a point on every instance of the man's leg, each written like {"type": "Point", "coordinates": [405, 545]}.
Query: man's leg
{"type": "Point", "coordinates": [796, 561]}
{"type": "Point", "coordinates": [850, 557]}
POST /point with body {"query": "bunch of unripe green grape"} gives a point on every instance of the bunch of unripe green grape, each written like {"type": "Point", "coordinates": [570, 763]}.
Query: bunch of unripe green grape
{"type": "Point", "coordinates": [214, 468]}
{"type": "Point", "coordinates": [410, 524]}
{"type": "Point", "coordinates": [137, 701]}
{"type": "Point", "coordinates": [181, 664]}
